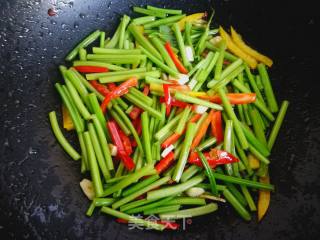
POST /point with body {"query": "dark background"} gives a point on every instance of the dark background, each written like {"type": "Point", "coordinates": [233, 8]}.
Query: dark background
{"type": "Point", "coordinates": [40, 196]}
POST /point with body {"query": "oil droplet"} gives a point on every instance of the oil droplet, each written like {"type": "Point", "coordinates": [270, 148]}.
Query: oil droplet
{"type": "Point", "coordinates": [82, 15]}
{"type": "Point", "coordinates": [76, 25]}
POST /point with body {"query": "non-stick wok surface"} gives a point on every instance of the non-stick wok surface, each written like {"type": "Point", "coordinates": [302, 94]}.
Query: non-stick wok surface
{"type": "Point", "coordinates": [40, 196]}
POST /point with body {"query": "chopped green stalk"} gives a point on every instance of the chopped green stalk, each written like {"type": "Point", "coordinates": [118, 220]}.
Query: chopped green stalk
{"type": "Point", "coordinates": [93, 166]}
{"type": "Point", "coordinates": [132, 219]}
{"type": "Point", "coordinates": [123, 25]}
{"type": "Point", "coordinates": [72, 75]}
{"type": "Point", "coordinates": [84, 43]}
{"type": "Point", "coordinates": [207, 143]}
{"type": "Point", "coordinates": [97, 149]}
{"type": "Point", "coordinates": [147, 170]}
{"type": "Point", "coordinates": [102, 39]}
{"type": "Point", "coordinates": [168, 127]}
{"type": "Point", "coordinates": [116, 51]}
{"type": "Point", "coordinates": [143, 20]}
{"type": "Point", "coordinates": [171, 71]}
{"type": "Point", "coordinates": [176, 30]}
{"type": "Point", "coordinates": [207, 186]}
{"type": "Point", "coordinates": [201, 43]}
{"type": "Point", "coordinates": [258, 129]}
{"type": "Point", "coordinates": [271, 99]}
{"type": "Point", "coordinates": [135, 204]}
{"type": "Point", "coordinates": [98, 64]}
{"type": "Point", "coordinates": [208, 173]}
{"type": "Point", "coordinates": [132, 196]}
{"type": "Point", "coordinates": [253, 84]}
{"type": "Point", "coordinates": [164, 209]}
{"type": "Point", "coordinates": [214, 84]}
{"type": "Point", "coordinates": [244, 182]}
{"type": "Point", "coordinates": [227, 142]}
{"type": "Point", "coordinates": [254, 141]}
{"type": "Point", "coordinates": [184, 152]}
{"type": "Point", "coordinates": [149, 12]}
{"type": "Point", "coordinates": [84, 153]}
{"type": "Point", "coordinates": [143, 41]}
{"type": "Point", "coordinates": [176, 189]}
{"type": "Point", "coordinates": [98, 112]}
{"type": "Point", "coordinates": [233, 117]}
{"type": "Point", "coordinates": [227, 55]}
{"type": "Point", "coordinates": [61, 139]}
{"type": "Point", "coordinates": [82, 54]}
{"type": "Point", "coordinates": [237, 194]}
{"type": "Point", "coordinates": [149, 206]}
{"type": "Point", "coordinates": [237, 205]}
{"type": "Point", "coordinates": [258, 154]}
{"type": "Point", "coordinates": [140, 185]}
{"type": "Point", "coordinates": [183, 120]}
{"type": "Point", "coordinates": [141, 96]}
{"type": "Point", "coordinates": [187, 201]}
{"type": "Point", "coordinates": [277, 124]}
{"type": "Point", "coordinates": [248, 197]}
{"type": "Point", "coordinates": [103, 142]}
{"type": "Point", "coordinates": [165, 10]}
{"type": "Point", "coordinates": [163, 21]}
{"type": "Point", "coordinates": [187, 33]}
{"type": "Point", "coordinates": [243, 156]}
{"type": "Point", "coordinates": [146, 136]}
{"type": "Point", "coordinates": [77, 100]}
{"type": "Point", "coordinates": [191, 212]}
{"type": "Point", "coordinates": [98, 202]}
{"type": "Point", "coordinates": [114, 40]}
{"type": "Point", "coordinates": [142, 105]}
{"type": "Point", "coordinates": [75, 116]}
{"type": "Point", "coordinates": [189, 173]}
{"type": "Point", "coordinates": [186, 98]}
{"type": "Point", "coordinates": [158, 44]}
{"type": "Point", "coordinates": [219, 65]}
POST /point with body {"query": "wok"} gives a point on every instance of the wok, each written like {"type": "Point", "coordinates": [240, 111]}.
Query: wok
{"type": "Point", "coordinates": [39, 185]}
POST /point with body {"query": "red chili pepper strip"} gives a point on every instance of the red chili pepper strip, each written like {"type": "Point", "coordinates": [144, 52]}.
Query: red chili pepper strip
{"type": "Point", "coordinates": [175, 136]}
{"type": "Point", "coordinates": [175, 102]}
{"type": "Point", "coordinates": [100, 87]}
{"type": "Point", "coordinates": [127, 161]}
{"type": "Point", "coordinates": [135, 112]}
{"type": "Point", "coordinates": [111, 86]}
{"type": "Point", "coordinates": [164, 163]}
{"type": "Point", "coordinates": [216, 126]}
{"type": "Point", "coordinates": [126, 142]}
{"type": "Point", "coordinates": [175, 59]}
{"type": "Point", "coordinates": [91, 69]}
{"type": "Point", "coordinates": [215, 157]}
{"type": "Point", "coordinates": [118, 91]}
{"type": "Point", "coordinates": [167, 224]}
{"type": "Point", "coordinates": [234, 98]}
{"type": "Point", "coordinates": [202, 130]}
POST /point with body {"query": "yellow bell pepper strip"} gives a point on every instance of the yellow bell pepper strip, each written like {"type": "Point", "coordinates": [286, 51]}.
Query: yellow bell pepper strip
{"type": "Point", "coordinates": [236, 50]}
{"type": "Point", "coordinates": [190, 18]}
{"type": "Point", "coordinates": [253, 162]}
{"type": "Point", "coordinates": [237, 39]}
{"type": "Point", "coordinates": [67, 122]}
{"type": "Point", "coordinates": [264, 199]}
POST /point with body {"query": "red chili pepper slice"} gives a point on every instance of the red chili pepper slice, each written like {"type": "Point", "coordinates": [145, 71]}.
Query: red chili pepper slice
{"type": "Point", "coordinates": [164, 163]}
{"type": "Point", "coordinates": [215, 157]}
{"type": "Point", "coordinates": [216, 126]}
{"type": "Point", "coordinates": [126, 142]}
{"type": "Point", "coordinates": [91, 69]}
{"type": "Point", "coordinates": [175, 102]}
{"type": "Point", "coordinates": [118, 91]}
{"type": "Point", "coordinates": [175, 59]}
{"type": "Point", "coordinates": [100, 87]}
{"type": "Point", "coordinates": [115, 135]}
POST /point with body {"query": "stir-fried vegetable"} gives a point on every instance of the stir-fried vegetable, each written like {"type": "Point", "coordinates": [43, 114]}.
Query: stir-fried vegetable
{"type": "Point", "coordinates": [159, 108]}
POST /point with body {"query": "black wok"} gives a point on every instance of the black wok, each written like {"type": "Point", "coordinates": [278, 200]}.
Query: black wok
{"type": "Point", "coordinates": [40, 196]}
